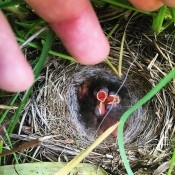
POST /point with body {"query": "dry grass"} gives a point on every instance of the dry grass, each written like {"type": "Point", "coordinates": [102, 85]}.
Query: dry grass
{"type": "Point", "coordinates": [53, 110]}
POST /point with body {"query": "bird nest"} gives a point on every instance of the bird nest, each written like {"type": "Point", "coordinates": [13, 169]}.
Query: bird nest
{"type": "Point", "coordinates": [59, 107]}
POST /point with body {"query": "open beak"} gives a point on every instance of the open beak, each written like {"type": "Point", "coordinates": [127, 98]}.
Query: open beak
{"type": "Point", "coordinates": [112, 99]}
{"type": "Point", "coordinates": [102, 94]}
{"type": "Point", "coordinates": [107, 101]}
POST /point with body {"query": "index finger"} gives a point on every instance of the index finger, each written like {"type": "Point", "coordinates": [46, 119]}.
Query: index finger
{"type": "Point", "coordinates": [76, 23]}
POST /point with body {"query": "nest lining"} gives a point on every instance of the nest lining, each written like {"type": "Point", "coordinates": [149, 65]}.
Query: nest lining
{"type": "Point", "coordinates": [131, 92]}
{"type": "Point", "coordinates": [55, 110]}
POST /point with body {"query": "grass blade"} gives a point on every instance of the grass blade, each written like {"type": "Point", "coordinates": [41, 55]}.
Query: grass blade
{"type": "Point", "coordinates": [108, 62]}
{"type": "Point", "coordinates": [6, 111]}
{"type": "Point", "coordinates": [121, 54]}
{"type": "Point", "coordinates": [8, 107]}
{"type": "Point", "coordinates": [45, 51]}
{"type": "Point", "coordinates": [112, 31]}
{"type": "Point", "coordinates": [172, 163]}
{"type": "Point", "coordinates": [74, 162]}
{"type": "Point", "coordinates": [158, 20]}
{"type": "Point", "coordinates": [172, 11]}
{"type": "Point", "coordinates": [122, 47]}
{"type": "Point", "coordinates": [1, 147]}
{"type": "Point", "coordinates": [51, 52]}
{"type": "Point", "coordinates": [10, 3]}
{"type": "Point", "coordinates": [37, 70]}
{"type": "Point", "coordinates": [111, 66]}
{"type": "Point", "coordinates": [125, 6]}
{"type": "Point", "coordinates": [11, 146]}
{"type": "Point", "coordinates": [126, 115]}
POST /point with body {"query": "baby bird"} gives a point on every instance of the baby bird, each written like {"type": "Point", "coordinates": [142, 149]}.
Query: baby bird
{"type": "Point", "coordinates": [106, 101]}
{"type": "Point", "coordinates": [100, 110]}
{"type": "Point", "coordinates": [112, 100]}
{"type": "Point", "coordinates": [101, 96]}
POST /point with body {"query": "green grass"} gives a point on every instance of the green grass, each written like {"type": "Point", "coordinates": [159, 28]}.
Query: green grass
{"type": "Point", "coordinates": [5, 4]}
{"type": "Point", "coordinates": [37, 70]}
{"type": "Point", "coordinates": [161, 20]}
{"type": "Point", "coordinates": [4, 115]}
{"type": "Point", "coordinates": [10, 145]}
{"type": "Point", "coordinates": [172, 164]}
{"type": "Point", "coordinates": [1, 148]}
{"type": "Point", "coordinates": [124, 5]}
{"type": "Point", "coordinates": [51, 52]}
{"type": "Point", "coordinates": [126, 115]}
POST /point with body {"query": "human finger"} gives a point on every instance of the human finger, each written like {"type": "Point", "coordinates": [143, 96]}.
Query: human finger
{"type": "Point", "coordinates": [76, 23]}
{"type": "Point", "coordinates": [15, 73]}
{"type": "Point", "coordinates": [147, 5]}
{"type": "Point", "coordinates": [170, 3]}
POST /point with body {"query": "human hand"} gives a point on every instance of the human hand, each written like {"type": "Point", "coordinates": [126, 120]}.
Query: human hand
{"type": "Point", "coordinates": [151, 5]}
{"type": "Point", "coordinates": [74, 22]}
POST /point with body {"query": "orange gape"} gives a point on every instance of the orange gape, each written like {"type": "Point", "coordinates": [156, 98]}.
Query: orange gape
{"type": "Point", "coordinates": [106, 101]}
{"type": "Point", "coordinates": [101, 96]}
{"type": "Point", "coordinates": [151, 5]}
